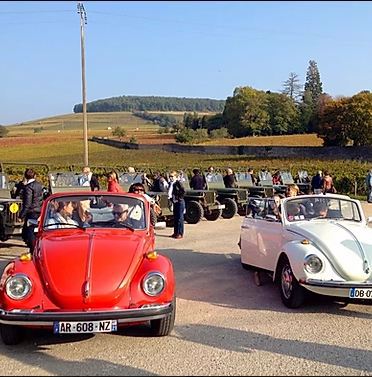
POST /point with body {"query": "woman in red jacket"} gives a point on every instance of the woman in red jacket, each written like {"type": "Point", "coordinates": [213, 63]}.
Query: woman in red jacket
{"type": "Point", "coordinates": [113, 182]}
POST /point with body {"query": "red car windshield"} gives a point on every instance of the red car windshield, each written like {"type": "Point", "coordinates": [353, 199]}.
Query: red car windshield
{"type": "Point", "coordinates": [98, 211]}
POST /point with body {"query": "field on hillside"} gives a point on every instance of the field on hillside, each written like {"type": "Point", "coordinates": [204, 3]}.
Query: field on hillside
{"type": "Point", "coordinates": [102, 124]}
{"type": "Point", "coordinates": [310, 140]}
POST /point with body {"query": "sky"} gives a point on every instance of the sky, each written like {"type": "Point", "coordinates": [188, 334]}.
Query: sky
{"type": "Point", "coordinates": [194, 49]}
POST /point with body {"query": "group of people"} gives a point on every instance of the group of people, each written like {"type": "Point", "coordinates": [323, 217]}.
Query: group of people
{"type": "Point", "coordinates": [322, 183]}
{"type": "Point", "coordinates": [174, 188]}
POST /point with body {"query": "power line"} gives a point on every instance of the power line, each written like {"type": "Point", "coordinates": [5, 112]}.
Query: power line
{"type": "Point", "coordinates": [34, 11]}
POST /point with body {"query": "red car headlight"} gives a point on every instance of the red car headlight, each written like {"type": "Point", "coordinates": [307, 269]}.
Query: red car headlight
{"type": "Point", "coordinates": [153, 283]}
{"type": "Point", "coordinates": [18, 287]}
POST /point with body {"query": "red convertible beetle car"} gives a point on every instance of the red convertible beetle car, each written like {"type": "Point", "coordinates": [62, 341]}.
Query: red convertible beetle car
{"type": "Point", "coordinates": [94, 268]}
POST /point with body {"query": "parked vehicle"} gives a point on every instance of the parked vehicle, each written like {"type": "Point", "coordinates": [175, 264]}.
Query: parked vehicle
{"type": "Point", "coordinates": [91, 271]}
{"type": "Point", "coordinates": [65, 181]}
{"type": "Point", "coordinates": [126, 179]}
{"type": "Point", "coordinates": [312, 243]}
{"type": "Point", "coordinates": [10, 223]}
{"type": "Point", "coordinates": [200, 203]}
{"type": "Point", "coordinates": [234, 199]}
{"type": "Point", "coordinates": [303, 182]}
{"type": "Point", "coordinates": [263, 189]}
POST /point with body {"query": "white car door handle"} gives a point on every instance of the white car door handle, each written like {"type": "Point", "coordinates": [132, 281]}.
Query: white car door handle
{"type": "Point", "coordinates": [245, 227]}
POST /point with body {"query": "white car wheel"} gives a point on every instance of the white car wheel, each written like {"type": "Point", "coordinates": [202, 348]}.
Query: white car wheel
{"type": "Point", "coordinates": [291, 292]}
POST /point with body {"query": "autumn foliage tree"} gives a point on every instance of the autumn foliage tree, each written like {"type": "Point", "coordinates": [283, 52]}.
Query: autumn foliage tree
{"type": "Point", "coordinates": [347, 120]}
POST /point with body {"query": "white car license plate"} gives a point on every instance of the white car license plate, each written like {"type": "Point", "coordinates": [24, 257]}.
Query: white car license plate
{"type": "Point", "coordinates": [365, 293]}
{"type": "Point", "coordinates": [84, 327]}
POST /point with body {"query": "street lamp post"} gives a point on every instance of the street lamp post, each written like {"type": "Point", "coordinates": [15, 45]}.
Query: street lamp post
{"type": "Point", "coordinates": [83, 21]}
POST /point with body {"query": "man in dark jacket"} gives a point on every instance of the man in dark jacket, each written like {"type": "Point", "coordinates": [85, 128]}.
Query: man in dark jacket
{"type": "Point", "coordinates": [31, 206]}
{"type": "Point", "coordinates": [229, 179]}
{"type": "Point", "coordinates": [316, 183]}
{"type": "Point", "coordinates": [176, 194]}
{"type": "Point", "coordinates": [197, 182]}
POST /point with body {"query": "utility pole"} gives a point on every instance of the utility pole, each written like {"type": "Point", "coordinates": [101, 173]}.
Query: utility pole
{"type": "Point", "coordinates": [83, 21]}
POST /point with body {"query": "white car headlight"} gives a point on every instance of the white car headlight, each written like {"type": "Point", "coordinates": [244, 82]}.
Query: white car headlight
{"type": "Point", "coordinates": [313, 264]}
{"type": "Point", "coordinates": [2, 207]}
{"type": "Point", "coordinates": [153, 284]}
{"type": "Point", "coordinates": [18, 287]}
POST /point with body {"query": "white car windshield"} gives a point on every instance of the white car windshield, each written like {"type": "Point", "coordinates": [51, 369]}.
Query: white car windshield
{"type": "Point", "coordinates": [97, 211]}
{"type": "Point", "coordinates": [321, 207]}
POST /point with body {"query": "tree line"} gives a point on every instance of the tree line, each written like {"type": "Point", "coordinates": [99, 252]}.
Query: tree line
{"type": "Point", "coordinates": [152, 103]}
{"type": "Point", "coordinates": [250, 112]}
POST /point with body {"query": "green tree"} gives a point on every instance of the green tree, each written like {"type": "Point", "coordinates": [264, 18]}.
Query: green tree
{"type": "Point", "coordinates": [245, 112]}
{"type": "Point", "coordinates": [119, 132]}
{"type": "Point", "coordinates": [283, 114]}
{"type": "Point", "coordinates": [220, 133]}
{"type": "Point", "coordinates": [313, 83]}
{"type": "Point", "coordinates": [186, 135]}
{"type": "Point", "coordinates": [358, 117]}
{"type": "Point", "coordinates": [292, 86]}
{"type": "Point", "coordinates": [306, 109]}
{"type": "Point", "coordinates": [3, 131]}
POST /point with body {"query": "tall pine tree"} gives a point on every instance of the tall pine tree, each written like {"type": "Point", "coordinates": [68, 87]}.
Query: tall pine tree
{"type": "Point", "coordinates": [313, 89]}
{"type": "Point", "coordinates": [313, 83]}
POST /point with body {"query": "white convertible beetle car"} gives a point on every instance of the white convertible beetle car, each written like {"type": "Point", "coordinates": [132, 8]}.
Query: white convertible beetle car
{"type": "Point", "coordinates": [317, 243]}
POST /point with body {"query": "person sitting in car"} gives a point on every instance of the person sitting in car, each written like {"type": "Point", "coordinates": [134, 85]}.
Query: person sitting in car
{"type": "Point", "coordinates": [62, 217]}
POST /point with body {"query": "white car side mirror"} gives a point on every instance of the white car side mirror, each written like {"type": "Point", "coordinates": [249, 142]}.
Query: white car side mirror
{"type": "Point", "coordinates": [369, 219]}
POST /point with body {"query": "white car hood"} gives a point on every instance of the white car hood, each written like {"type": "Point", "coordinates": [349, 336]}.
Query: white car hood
{"type": "Point", "coordinates": [347, 245]}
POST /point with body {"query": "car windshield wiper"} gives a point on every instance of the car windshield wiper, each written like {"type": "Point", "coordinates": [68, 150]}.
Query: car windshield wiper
{"type": "Point", "coordinates": [116, 224]}
{"type": "Point", "coordinates": [317, 218]}
{"type": "Point", "coordinates": [123, 225]}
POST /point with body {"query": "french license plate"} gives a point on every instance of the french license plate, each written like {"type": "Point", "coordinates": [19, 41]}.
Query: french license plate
{"type": "Point", "coordinates": [365, 293]}
{"type": "Point", "coordinates": [84, 327]}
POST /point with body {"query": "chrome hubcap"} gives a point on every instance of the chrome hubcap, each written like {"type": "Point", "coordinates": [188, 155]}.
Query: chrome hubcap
{"type": "Point", "coordinates": [287, 281]}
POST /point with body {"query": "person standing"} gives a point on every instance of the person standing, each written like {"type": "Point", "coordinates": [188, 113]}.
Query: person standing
{"type": "Point", "coordinates": [229, 179]}
{"type": "Point", "coordinates": [113, 182]}
{"type": "Point", "coordinates": [369, 186]}
{"type": "Point", "coordinates": [31, 206]}
{"type": "Point", "coordinates": [254, 178]}
{"type": "Point", "coordinates": [327, 184]}
{"type": "Point", "coordinates": [317, 183]}
{"type": "Point", "coordinates": [177, 195]}
{"type": "Point", "coordinates": [87, 178]}
{"type": "Point", "coordinates": [197, 181]}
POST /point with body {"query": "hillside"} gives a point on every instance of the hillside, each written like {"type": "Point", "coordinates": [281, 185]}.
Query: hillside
{"type": "Point", "coordinates": [102, 124]}
{"type": "Point", "coordinates": [153, 103]}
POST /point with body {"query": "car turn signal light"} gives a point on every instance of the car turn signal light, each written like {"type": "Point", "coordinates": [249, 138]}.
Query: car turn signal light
{"type": "Point", "coordinates": [152, 255]}
{"type": "Point", "coordinates": [25, 257]}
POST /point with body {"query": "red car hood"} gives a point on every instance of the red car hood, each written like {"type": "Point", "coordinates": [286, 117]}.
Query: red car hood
{"type": "Point", "coordinates": [90, 270]}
